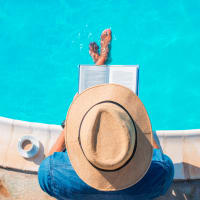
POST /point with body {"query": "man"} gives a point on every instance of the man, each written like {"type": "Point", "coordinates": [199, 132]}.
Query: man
{"type": "Point", "coordinates": [111, 153]}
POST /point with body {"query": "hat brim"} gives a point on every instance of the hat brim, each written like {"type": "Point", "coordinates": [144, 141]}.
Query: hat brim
{"type": "Point", "coordinates": [136, 168]}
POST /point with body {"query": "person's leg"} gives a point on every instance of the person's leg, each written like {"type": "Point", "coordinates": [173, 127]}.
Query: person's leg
{"type": "Point", "coordinates": [93, 48]}
{"type": "Point", "coordinates": [94, 51]}
{"type": "Point", "coordinates": [59, 145]}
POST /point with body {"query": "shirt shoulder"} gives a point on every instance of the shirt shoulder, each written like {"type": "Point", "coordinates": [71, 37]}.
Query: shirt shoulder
{"type": "Point", "coordinates": [160, 157]}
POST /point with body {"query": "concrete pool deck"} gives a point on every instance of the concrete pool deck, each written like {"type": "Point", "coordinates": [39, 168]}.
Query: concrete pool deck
{"type": "Point", "coordinates": [18, 175]}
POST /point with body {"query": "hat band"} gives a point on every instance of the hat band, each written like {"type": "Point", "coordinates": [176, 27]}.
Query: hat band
{"type": "Point", "coordinates": [135, 146]}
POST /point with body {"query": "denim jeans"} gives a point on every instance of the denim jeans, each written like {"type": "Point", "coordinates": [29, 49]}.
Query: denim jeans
{"type": "Point", "coordinates": [57, 177]}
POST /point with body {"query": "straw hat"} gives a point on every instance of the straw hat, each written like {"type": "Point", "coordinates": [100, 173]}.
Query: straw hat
{"type": "Point", "coordinates": [109, 137]}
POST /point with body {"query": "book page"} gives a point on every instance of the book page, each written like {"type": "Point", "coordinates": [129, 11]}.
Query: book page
{"type": "Point", "coordinates": [125, 75]}
{"type": "Point", "coordinates": [90, 76]}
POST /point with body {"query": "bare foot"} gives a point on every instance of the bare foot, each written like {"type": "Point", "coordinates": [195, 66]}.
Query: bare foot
{"type": "Point", "coordinates": [94, 51]}
{"type": "Point", "coordinates": [105, 41]}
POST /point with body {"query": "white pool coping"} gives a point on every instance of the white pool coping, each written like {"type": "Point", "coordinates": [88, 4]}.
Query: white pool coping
{"type": "Point", "coordinates": [182, 146]}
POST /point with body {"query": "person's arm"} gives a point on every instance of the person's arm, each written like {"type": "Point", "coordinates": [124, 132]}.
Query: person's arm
{"type": "Point", "coordinates": [155, 145]}
{"type": "Point", "coordinates": [59, 145]}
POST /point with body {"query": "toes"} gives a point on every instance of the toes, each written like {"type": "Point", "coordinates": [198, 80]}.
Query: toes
{"type": "Point", "coordinates": [106, 32]}
{"type": "Point", "coordinates": [106, 35]}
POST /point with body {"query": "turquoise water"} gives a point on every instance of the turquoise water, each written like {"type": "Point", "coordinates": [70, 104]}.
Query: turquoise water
{"type": "Point", "coordinates": [42, 42]}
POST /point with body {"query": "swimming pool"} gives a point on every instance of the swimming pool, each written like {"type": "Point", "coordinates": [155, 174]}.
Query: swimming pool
{"type": "Point", "coordinates": [42, 42]}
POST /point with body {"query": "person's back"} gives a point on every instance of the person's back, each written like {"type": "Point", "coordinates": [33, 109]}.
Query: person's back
{"type": "Point", "coordinates": [58, 178]}
{"type": "Point", "coordinates": [109, 150]}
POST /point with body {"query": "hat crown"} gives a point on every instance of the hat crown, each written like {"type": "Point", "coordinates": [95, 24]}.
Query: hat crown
{"type": "Point", "coordinates": [107, 136]}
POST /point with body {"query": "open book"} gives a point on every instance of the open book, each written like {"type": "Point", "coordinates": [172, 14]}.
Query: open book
{"type": "Point", "coordinates": [91, 75]}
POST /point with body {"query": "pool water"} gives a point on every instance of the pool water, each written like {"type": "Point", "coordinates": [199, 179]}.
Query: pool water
{"type": "Point", "coordinates": [42, 43]}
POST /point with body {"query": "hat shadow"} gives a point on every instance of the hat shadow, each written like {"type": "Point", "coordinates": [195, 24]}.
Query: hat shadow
{"type": "Point", "coordinates": [112, 176]}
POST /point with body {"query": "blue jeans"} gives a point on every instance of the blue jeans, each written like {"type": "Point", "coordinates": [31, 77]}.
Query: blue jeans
{"type": "Point", "coordinates": [57, 177]}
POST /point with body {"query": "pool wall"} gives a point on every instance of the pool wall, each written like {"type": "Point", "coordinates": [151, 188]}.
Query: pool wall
{"type": "Point", "coordinates": [12, 130]}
